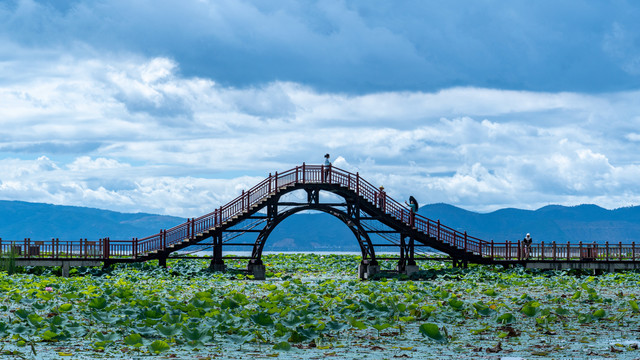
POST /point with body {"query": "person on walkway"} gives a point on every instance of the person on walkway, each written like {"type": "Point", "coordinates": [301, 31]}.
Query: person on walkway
{"type": "Point", "coordinates": [413, 209]}
{"type": "Point", "coordinates": [382, 199]}
{"type": "Point", "coordinates": [327, 168]}
{"type": "Point", "coordinates": [527, 241]}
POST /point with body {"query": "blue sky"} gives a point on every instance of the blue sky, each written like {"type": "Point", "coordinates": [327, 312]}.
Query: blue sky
{"type": "Point", "coordinates": [175, 107]}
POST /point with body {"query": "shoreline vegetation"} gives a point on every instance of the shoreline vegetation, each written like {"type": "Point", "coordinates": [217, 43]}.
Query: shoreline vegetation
{"type": "Point", "coordinates": [313, 306]}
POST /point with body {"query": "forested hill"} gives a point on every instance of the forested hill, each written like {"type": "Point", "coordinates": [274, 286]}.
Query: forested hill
{"type": "Point", "coordinates": [319, 231]}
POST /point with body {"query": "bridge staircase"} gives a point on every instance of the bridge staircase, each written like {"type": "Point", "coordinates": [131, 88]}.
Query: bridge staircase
{"type": "Point", "coordinates": [374, 203]}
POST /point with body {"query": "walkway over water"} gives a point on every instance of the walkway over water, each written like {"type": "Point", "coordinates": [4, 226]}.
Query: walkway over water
{"type": "Point", "coordinates": [376, 220]}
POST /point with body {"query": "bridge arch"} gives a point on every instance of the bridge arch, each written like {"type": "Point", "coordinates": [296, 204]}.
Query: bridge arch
{"type": "Point", "coordinates": [364, 241]}
{"type": "Point", "coordinates": [348, 211]}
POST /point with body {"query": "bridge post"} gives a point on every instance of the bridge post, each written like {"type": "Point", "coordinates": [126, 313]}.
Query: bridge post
{"type": "Point", "coordinates": [304, 173]}
{"type": "Point", "coordinates": [465, 241]}
{"type": "Point", "coordinates": [633, 251]}
{"type": "Point", "coordinates": [620, 250]}
{"type": "Point", "coordinates": [217, 263]}
{"type": "Point", "coordinates": [401, 267]}
{"type": "Point", "coordinates": [357, 183]}
{"type": "Point", "coordinates": [108, 247]}
{"type": "Point", "coordinates": [492, 249]}
{"type": "Point", "coordinates": [269, 187]}
{"type": "Point", "coordinates": [411, 266]}
{"type": "Point", "coordinates": [580, 244]}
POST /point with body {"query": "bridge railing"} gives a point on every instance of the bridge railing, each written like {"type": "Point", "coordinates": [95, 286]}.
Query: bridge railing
{"type": "Point", "coordinates": [53, 249]}
{"type": "Point", "coordinates": [552, 251]}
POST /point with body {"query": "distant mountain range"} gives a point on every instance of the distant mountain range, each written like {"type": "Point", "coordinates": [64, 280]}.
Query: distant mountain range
{"type": "Point", "coordinates": [19, 220]}
{"type": "Point", "coordinates": [586, 223]}
{"type": "Point", "coordinates": [322, 232]}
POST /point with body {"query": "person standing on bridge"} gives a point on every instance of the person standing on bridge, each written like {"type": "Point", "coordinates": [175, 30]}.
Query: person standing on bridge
{"type": "Point", "coordinates": [413, 208]}
{"type": "Point", "coordinates": [382, 199]}
{"type": "Point", "coordinates": [527, 241]}
{"type": "Point", "coordinates": [327, 168]}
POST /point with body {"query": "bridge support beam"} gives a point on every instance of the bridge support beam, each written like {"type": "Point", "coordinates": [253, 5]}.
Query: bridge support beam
{"type": "Point", "coordinates": [162, 261]}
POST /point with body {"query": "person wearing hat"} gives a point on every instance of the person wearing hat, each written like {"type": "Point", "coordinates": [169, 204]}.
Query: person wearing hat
{"type": "Point", "coordinates": [382, 198]}
{"type": "Point", "coordinates": [527, 241]}
{"type": "Point", "coordinates": [327, 168]}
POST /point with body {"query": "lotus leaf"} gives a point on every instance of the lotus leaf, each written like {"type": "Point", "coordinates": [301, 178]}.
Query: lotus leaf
{"type": "Point", "coordinates": [134, 340]}
{"type": "Point", "coordinates": [432, 331]}
{"type": "Point", "coordinates": [97, 303]}
{"type": "Point", "coordinates": [506, 318]}
{"type": "Point", "coordinates": [158, 346]}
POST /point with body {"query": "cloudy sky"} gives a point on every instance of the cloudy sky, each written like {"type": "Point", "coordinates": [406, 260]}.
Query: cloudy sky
{"type": "Point", "coordinates": [174, 107]}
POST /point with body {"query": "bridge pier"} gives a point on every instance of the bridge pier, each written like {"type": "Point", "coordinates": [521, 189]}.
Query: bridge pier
{"type": "Point", "coordinates": [411, 269]}
{"type": "Point", "coordinates": [66, 268]}
{"type": "Point", "coordinates": [218, 266]}
{"type": "Point", "coordinates": [257, 269]}
{"type": "Point", "coordinates": [367, 269]}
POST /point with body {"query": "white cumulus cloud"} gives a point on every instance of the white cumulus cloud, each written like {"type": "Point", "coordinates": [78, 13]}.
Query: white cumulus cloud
{"type": "Point", "coordinates": [131, 133]}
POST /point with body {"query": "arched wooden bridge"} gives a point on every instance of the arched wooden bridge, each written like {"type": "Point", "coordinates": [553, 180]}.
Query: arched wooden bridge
{"type": "Point", "coordinates": [367, 211]}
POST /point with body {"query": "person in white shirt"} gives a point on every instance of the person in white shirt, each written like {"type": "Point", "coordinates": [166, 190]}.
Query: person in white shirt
{"type": "Point", "coordinates": [327, 168]}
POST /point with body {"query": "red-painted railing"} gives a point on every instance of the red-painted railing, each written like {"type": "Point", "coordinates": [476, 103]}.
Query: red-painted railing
{"type": "Point", "coordinates": [106, 248]}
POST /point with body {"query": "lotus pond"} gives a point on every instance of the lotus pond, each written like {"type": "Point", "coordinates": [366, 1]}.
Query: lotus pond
{"type": "Point", "coordinates": [314, 307]}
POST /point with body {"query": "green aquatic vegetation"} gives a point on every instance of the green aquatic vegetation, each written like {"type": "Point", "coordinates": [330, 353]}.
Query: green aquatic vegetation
{"type": "Point", "coordinates": [311, 302]}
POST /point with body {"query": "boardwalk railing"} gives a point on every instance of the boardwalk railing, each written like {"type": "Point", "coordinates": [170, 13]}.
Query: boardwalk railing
{"type": "Point", "coordinates": [510, 251]}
